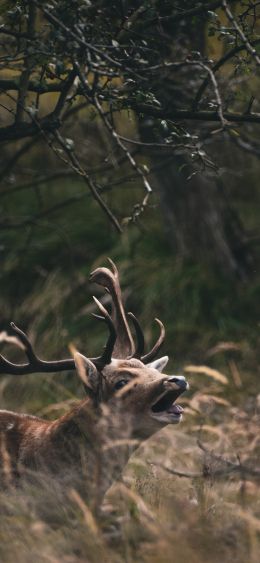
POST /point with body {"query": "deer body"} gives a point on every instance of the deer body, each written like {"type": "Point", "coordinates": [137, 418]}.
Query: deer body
{"type": "Point", "coordinates": [31, 445]}
{"type": "Point", "coordinates": [128, 400]}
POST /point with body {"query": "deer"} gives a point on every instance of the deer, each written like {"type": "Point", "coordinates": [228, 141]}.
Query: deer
{"type": "Point", "coordinates": [128, 399]}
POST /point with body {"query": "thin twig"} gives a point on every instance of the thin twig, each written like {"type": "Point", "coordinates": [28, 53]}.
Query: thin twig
{"type": "Point", "coordinates": [89, 181]}
{"type": "Point", "coordinates": [236, 467]}
{"type": "Point", "coordinates": [232, 53]}
{"type": "Point", "coordinates": [122, 147]}
{"type": "Point", "coordinates": [251, 50]}
{"type": "Point", "coordinates": [28, 64]}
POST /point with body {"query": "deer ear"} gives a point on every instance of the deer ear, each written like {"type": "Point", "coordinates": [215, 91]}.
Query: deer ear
{"type": "Point", "coordinates": [87, 371]}
{"type": "Point", "coordinates": [159, 364]}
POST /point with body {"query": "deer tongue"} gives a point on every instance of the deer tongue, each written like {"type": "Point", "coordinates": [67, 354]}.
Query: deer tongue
{"type": "Point", "coordinates": [175, 409]}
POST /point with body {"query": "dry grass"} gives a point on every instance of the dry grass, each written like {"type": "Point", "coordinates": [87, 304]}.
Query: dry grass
{"type": "Point", "coordinates": [210, 513]}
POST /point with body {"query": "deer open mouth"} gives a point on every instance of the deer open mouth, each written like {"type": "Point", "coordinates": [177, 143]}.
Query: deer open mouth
{"type": "Point", "coordinates": [165, 409]}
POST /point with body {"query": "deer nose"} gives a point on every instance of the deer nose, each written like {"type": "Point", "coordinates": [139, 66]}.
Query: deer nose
{"type": "Point", "coordinates": [180, 381]}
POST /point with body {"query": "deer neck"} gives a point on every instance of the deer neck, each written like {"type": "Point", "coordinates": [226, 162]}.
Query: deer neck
{"type": "Point", "coordinates": [96, 441]}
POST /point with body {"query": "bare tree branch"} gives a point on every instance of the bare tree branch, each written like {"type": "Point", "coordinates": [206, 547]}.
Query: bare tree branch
{"type": "Point", "coordinates": [211, 471]}
{"type": "Point", "coordinates": [251, 50]}
{"type": "Point", "coordinates": [201, 8]}
{"type": "Point", "coordinates": [223, 60]}
{"type": "Point", "coordinates": [184, 114]}
{"type": "Point", "coordinates": [89, 181]}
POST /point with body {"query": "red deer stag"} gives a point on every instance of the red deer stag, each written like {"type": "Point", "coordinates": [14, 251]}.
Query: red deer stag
{"type": "Point", "coordinates": [128, 400]}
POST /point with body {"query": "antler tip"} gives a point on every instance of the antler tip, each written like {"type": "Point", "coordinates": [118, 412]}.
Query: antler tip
{"type": "Point", "coordinates": [99, 317]}
{"type": "Point", "coordinates": [106, 357]}
{"type": "Point", "coordinates": [139, 336]}
{"type": "Point", "coordinates": [159, 322]}
{"type": "Point", "coordinates": [102, 276]}
{"type": "Point", "coordinates": [151, 355]}
{"type": "Point", "coordinates": [101, 307]}
{"type": "Point", "coordinates": [112, 264]}
{"type": "Point", "coordinates": [17, 329]}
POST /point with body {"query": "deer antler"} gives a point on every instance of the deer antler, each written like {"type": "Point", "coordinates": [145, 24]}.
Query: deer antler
{"type": "Point", "coordinates": [120, 341]}
{"type": "Point", "coordinates": [139, 337]}
{"type": "Point", "coordinates": [124, 345]}
{"type": "Point", "coordinates": [154, 351]}
{"type": "Point", "coordinates": [36, 365]}
{"type": "Point", "coordinates": [106, 357]}
{"type": "Point", "coordinates": [140, 341]}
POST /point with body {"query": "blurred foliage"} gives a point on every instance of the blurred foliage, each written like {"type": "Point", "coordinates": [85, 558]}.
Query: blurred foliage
{"type": "Point", "coordinates": [46, 264]}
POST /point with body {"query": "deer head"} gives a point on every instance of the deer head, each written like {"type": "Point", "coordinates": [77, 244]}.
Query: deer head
{"type": "Point", "coordinates": [128, 381]}
{"type": "Point", "coordinates": [140, 394]}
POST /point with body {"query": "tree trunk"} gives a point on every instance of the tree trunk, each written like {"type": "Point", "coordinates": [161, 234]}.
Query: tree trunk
{"type": "Point", "coordinates": [199, 221]}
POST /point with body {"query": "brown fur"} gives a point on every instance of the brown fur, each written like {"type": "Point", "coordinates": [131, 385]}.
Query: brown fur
{"type": "Point", "coordinates": [99, 432]}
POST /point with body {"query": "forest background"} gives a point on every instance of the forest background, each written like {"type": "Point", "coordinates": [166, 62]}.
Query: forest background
{"type": "Point", "coordinates": [131, 130]}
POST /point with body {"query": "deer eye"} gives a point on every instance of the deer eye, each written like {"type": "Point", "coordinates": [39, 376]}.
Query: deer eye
{"type": "Point", "coordinates": [121, 383]}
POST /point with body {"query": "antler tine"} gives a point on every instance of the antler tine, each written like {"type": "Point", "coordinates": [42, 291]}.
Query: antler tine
{"type": "Point", "coordinates": [139, 337]}
{"type": "Point", "coordinates": [151, 355]}
{"type": "Point", "coordinates": [35, 364]}
{"type": "Point", "coordinates": [106, 357]}
{"type": "Point", "coordinates": [114, 268]}
{"type": "Point", "coordinates": [109, 279]}
{"type": "Point", "coordinates": [26, 342]}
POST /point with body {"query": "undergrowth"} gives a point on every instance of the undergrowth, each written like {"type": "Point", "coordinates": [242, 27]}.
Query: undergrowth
{"type": "Point", "coordinates": [189, 494]}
